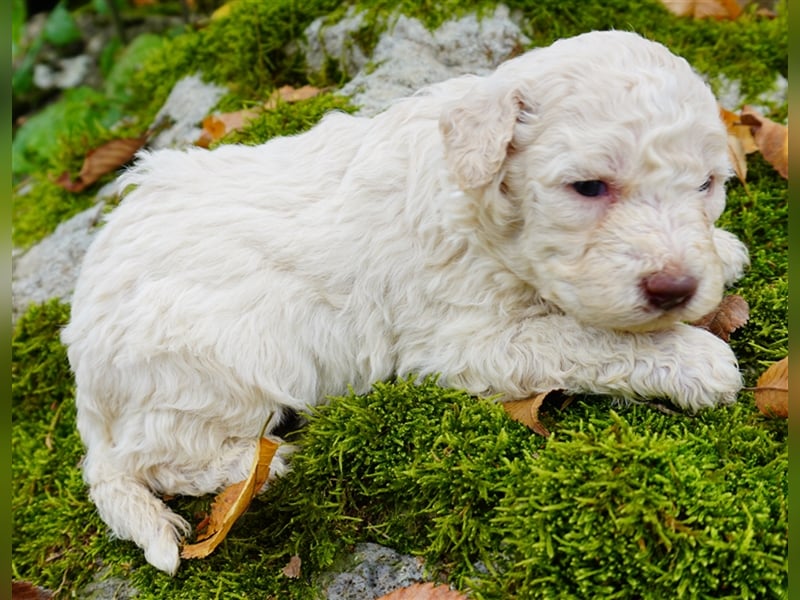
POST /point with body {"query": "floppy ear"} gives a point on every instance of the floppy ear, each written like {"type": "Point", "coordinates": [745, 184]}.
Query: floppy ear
{"type": "Point", "coordinates": [477, 130]}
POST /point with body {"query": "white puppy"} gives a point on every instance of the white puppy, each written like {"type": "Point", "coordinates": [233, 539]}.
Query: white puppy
{"type": "Point", "coordinates": [548, 226]}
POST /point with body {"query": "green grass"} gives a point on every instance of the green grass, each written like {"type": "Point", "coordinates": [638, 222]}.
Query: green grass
{"type": "Point", "coordinates": [621, 502]}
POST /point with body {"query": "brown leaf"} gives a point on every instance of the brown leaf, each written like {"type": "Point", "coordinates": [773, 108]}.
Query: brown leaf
{"type": "Point", "coordinates": [772, 390]}
{"type": "Point", "coordinates": [424, 591]}
{"type": "Point", "coordinates": [732, 313]}
{"type": "Point", "coordinates": [23, 590]}
{"type": "Point", "coordinates": [527, 412]}
{"type": "Point", "coordinates": [292, 568]}
{"type": "Point", "coordinates": [740, 142]}
{"type": "Point", "coordinates": [771, 138]}
{"type": "Point", "coordinates": [219, 125]}
{"type": "Point", "coordinates": [289, 94]}
{"type": "Point", "coordinates": [231, 503]}
{"type": "Point", "coordinates": [101, 160]}
{"type": "Point", "coordinates": [702, 9]}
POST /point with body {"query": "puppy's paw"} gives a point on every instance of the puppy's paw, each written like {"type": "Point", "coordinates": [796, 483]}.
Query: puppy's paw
{"type": "Point", "coordinates": [695, 369]}
{"type": "Point", "coordinates": [162, 551]}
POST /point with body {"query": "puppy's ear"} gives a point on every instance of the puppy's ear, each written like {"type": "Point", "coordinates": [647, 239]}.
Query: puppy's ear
{"type": "Point", "coordinates": [477, 130]}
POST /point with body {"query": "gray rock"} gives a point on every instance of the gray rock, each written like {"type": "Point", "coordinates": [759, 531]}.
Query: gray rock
{"type": "Point", "coordinates": [67, 72]}
{"type": "Point", "coordinates": [49, 269]}
{"type": "Point", "coordinates": [324, 41]}
{"type": "Point", "coordinates": [729, 94]}
{"type": "Point", "coordinates": [112, 588]}
{"type": "Point", "coordinates": [373, 571]}
{"type": "Point", "coordinates": [187, 104]}
{"type": "Point", "coordinates": [409, 57]}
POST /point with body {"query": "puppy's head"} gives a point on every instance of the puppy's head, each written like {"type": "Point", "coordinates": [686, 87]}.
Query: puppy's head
{"type": "Point", "coordinates": [594, 170]}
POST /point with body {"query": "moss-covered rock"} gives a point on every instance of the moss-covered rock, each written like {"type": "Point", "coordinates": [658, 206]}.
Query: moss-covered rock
{"type": "Point", "coordinates": [622, 501]}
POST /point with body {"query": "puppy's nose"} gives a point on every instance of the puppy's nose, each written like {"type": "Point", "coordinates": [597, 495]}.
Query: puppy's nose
{"type": "Point", "coordinates": [669, 289]}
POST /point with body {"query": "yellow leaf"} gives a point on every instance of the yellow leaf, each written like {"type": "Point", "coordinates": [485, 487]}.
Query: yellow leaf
{"type": "Point", "coordinates": [231, 503]}
{"type": "Point", "coordinates": [741, 131]}
{"type": "Point", "coordinates": [740, 142]}
{"type": "Point", "coordinates": [772, 390]}
{"type": "Point", "coordinates": [771, 139]}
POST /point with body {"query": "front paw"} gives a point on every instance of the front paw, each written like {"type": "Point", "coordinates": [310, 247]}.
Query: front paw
{"type": "Point", "coordinates": [694, 369]}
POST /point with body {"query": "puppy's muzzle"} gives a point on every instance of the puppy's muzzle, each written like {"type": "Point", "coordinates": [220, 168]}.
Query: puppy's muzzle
{"type": "Point", "coordinates": [667, 289]}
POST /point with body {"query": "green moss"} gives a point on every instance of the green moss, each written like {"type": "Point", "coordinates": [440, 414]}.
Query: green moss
{"type": "Point", "coordinates": [759, 216]}
{"type": "Point", "coordinates": [635, 504]}
{"type": "Point", "coordinates": [39, 210]}
{"type": "Point", "coordinates": [632, 503]}
{"type": "Point", "coordinates": [245, 51]}
{"type": "Point", "coordinates": [54, 525]}
{"type": "Point", "coordinates": [287, 119]}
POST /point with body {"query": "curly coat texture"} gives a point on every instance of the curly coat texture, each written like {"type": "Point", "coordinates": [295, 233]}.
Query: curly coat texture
{"type": "Point", "coordinates": [449, 234]}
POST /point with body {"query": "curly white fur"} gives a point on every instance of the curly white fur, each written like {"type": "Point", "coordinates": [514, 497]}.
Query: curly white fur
{"type": "Point", "coordinates": [442, 236]}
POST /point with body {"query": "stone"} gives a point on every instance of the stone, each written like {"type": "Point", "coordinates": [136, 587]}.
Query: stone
{"type": "Point", "coordinates": [373, 571]}
{"type": "Point", "coordinates": [50, 268]}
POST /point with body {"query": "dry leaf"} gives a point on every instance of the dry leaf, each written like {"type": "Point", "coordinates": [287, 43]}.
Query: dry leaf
{"type": "Point", "coordinates": [527, 412]}
{"type": "Point", "coordinates": [771, 138]}
{"type": "Point", "coordinates": [702, 9]}
{"type": "Point", "coordinates": [219, 125]}
{"type": "Point", "coordinates": [292, 568]}
{"type": "Point", "coordinates": [23, 590]}
{"type": "Point", "coordinates": [289, 94]}
{"type": "Point", "coordinates": [740, 142]}
{"type": "Point", "coordinates": [772, 390]}
{"type": "Point", "coordinates": [424, 591]}
{"type": "Point", "coordinates": [231, 503]}
{"type": "Point", "coordinates": [732, 313]}
{"type": "Point", "coordinates": [101, 160]}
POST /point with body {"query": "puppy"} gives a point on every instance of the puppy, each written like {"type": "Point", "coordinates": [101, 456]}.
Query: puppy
{"type": "Point", "coordinates": [550, 226]}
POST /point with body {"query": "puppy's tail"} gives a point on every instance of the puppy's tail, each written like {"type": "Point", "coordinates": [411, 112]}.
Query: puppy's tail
{"type": "Point", "coordinates": [132, 512]}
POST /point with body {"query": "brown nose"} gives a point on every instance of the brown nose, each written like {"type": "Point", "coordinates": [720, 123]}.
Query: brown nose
{"type": "Point", "coordinates": [665, 290]}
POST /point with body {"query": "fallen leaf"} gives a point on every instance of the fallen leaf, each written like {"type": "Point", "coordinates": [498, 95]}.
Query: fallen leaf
{"type": "Point", "coordinates": [289, 94]}
{"type": "Point", "coordinates": [231, 503]}
{"type": "Point", "coordinates": [772, 390]}
{"type": "Point", "coordinates": [771, 138]}
{"type": "Point", "coordinates": [527, 412]}
{"type": "Point", "coordinates": [702, 9]}
{"type": "Point", "coordinates": [292, 568]}
{"type": "Point", "coordinates": [23, 590]}
{"type": "Point", "coordinates": [740, 142]}
{"type": "Point", "coordinates": [218, 125]}
{"type": "Point", "coordinates": [732, 313]}
{"type": "Point", "coordinates": [424, 591]}
{"type": "Point", "coordinates": [101, 160]}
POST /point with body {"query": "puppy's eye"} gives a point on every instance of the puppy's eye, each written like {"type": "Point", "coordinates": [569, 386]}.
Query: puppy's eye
{"type": "Point", "coordinates": [706, 185]}
{"type": "Point", "coordinates": [591, 188]}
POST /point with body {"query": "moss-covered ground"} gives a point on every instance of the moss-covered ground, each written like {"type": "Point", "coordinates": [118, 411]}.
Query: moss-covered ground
{"type": "Point", "coordinates": [621, 502]}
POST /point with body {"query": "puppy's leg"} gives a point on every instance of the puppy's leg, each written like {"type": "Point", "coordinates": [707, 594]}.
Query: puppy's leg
{"type": "Point", "coordinates": [686, 364]}
{"type": "Point", "coordinates": [232, 464]}
{"type": "Point", "coordinates": [126, 503]}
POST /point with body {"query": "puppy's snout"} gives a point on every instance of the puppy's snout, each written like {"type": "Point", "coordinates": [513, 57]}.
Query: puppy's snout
{"type": "Point", "coordinates": [669, 289]}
